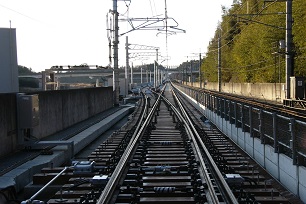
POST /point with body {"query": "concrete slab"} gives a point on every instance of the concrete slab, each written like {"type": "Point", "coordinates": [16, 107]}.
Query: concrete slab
{"type": "Point", "coordinates": [271, 161]}
{"type": "Point", "coordinates": [249, 146]}
{"type": "Point", "coordinates": [302, 183]}
{"type": "Point", "coordinates": [302, 175]}
{"type": "Point", "coordinates": [288, 173]}
{"type": "Point", "coordinates": [259, 152]}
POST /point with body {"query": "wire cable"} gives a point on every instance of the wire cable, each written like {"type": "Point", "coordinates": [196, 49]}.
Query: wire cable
{"type": "Point", "coordinates": [24, 15]}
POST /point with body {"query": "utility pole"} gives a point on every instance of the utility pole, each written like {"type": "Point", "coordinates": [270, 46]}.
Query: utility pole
{"type": "Point", "coordinates": [154, 74]}
{"type": "Point", "coordinates": [289, 55]}
{"type": "Point", "coordinates": [132, 80]}
{"type": "Point", "coordinates": [200, 76]}
{"type": "Point", "coordinates": [116, 69]}
{"type": "Point", "coordinates": [147, 74]}
{"type": "Point", "coordinates": [155, 69]}
{"type": "Point", "coordinates": [141, 74]}
{"type": "Point", "coordinates": [219, 61]}
{"type": "Point", "coordinates": [191, 78]}
{"type": "Point", "coordinates": [127, 65]}
{"type": "Point", "coordinates": [150, 76]}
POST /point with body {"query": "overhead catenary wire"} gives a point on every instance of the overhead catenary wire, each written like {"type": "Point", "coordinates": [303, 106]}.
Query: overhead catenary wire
{"type": "Point", "coordinates": [127, 8]}
{"type": "Point", "coordinates": [24, 15]}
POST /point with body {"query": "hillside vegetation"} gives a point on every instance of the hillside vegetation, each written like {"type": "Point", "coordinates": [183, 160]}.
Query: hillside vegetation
{"type": "Point", "coordinates": [250, 34]}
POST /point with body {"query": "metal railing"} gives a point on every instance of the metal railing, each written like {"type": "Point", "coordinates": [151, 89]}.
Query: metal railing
{"type": "Point", "coordinates": [200, 150]}
{"type": "Point", "coordinates": [286, 135]}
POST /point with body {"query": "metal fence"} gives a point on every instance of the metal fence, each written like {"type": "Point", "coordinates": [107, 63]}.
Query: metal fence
{"type": "Point", "coordinates": [285, 135]}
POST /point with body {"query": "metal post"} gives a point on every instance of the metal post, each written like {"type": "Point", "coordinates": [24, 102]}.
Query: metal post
{"type": "Point", "coordinates": [242, 117]}
{"type": "Point", "coordinates": [251, 121]}
{"type": "Point", "coordinates": [161, 76]}
{"type": "Point", "coordinates": [116, 42]}
{"type": "Point", "coordinates": [293, 140]}
{"type": "Point", "coordinates": [150, 76]}
{"type": "Point", "coordinates": [132, 79]}
{"type": "Point", "coordinates": [191, 79]}
{"type": "Point", "coordinates": [43, 79]}
{"type": "Point", "coordinates": [289, 56]}
{"type": "Point", "coordinates": [127, 65]}
{"type": "Point", "coordinates": [154, 75]}
{"type": "Point", "coordinates": [200, 76]}
{"type": "Point", "coordinates": [158, 75]}
{"type": "Point", "coordinates": [260, 126]}
{"type": "Point", "coordinates": [141, 75]}
{"type": "Point", "coordinates": [275, 136]}
{"type": "Point", "coordinates": [219, 62]}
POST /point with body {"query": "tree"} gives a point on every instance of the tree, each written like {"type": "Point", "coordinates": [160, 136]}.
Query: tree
{"type": "Point", "coordinates": [22, 70]}
{"type": "Point", "coordinates": [250, 42]}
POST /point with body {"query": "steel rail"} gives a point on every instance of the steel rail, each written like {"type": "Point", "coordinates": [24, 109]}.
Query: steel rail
{"type": "Point", "coordinates": [109, 189]}
{"type": "Point", "coordinates": [227, 189]}
{"type": "Point", "coordinates": [212, 193]}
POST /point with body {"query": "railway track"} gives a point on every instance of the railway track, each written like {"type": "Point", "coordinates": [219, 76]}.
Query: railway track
{"type": "Point", "coordinates": [298, 113]}
{"type": "Point", "coordinates": [164, 155]}
{"type": "Point", "coordinates": [258, 185]}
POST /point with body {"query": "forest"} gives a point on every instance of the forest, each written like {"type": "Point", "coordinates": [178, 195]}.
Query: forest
{"type": "Point", "coordinates": [251, 36]}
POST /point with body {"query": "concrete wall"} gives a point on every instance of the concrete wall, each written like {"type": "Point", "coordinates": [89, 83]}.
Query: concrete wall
{"type": "Point", "coordinates": [57, 110]}
{"type": "Point", "coordinates": [61, 109]}
{"type": "Point", "coordinates": [8, 122]}
{"type": "Point", "coordinates": [8, 61]}
{"type": "Point", "coordinates": [264, 91]}
{"type": "Point", "coordinates": [280, 166]}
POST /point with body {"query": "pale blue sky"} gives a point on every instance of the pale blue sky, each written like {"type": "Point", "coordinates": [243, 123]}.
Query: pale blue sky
{"type": "Point", "coordinates": [72, 32]}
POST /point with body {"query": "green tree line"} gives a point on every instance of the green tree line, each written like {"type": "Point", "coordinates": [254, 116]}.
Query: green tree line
{"type": "Point", "coordinates": [27, 81]}
{"type": "Point", "coordinates": [250, 33]}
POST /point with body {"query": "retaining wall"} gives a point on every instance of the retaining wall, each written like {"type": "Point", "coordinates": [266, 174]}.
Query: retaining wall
{"type": "Point", "coordinates": [63, 108]}
{"type": "Point", "coordinates": [57, 110]}
{"type": "Point", "coordinates": [8, 123]}
{"type": "Point", "coordinates": [264, 91]}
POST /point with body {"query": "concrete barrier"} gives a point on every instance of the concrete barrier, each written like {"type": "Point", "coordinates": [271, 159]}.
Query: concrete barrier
{"type": "Point", "coordinates": [263, 91]}
{"type": "Point", "coordinates": [8, 123]}
{"type": "Point", "coordinates": [63, 108]}
{"type": "Point", "coordinates": [57, 110]}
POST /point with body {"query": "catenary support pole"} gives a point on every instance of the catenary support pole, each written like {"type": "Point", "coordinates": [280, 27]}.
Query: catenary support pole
{"type": "Point", "coordinates": [127, 65]}
{"type": "Point", "coordinates": [115, 47]}
{"type": "Point", "coordinates": [289, 55]}
{"type": "Point", "coordinates": [219, 61]}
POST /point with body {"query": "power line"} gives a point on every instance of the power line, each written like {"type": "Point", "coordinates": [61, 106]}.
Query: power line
{"type": "Point", "coordinates": [29, 17]}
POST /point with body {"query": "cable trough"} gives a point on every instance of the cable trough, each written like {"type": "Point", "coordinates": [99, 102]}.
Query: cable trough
{"type": "Point", "coordinates": [165, 155]}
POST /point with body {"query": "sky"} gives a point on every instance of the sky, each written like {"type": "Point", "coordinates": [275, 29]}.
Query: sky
{"type": "Point", "coordinates": [73, 32]}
